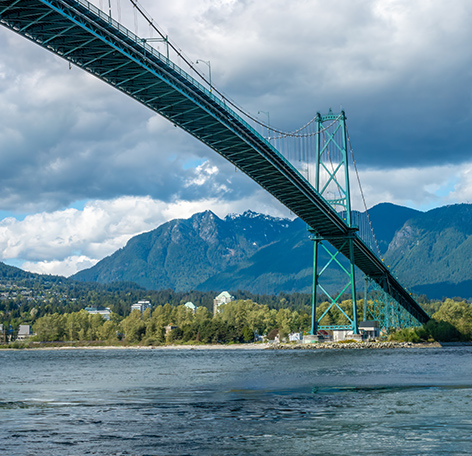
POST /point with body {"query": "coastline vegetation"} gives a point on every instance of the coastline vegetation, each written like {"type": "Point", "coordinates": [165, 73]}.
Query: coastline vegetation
{"type": "Point", "coordinates": [53, 306]}
{"type": "Point", "coordinates": [240, 321]}
{"type": "Point", "coordinates": [451, 323]}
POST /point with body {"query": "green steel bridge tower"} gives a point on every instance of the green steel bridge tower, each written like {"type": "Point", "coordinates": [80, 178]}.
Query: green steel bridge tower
{"type": "Point", "coordinates": [332, 183]}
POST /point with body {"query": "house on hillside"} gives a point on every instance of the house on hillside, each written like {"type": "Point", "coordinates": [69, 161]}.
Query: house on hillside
{"type": "Point", "coordinates": [141, 306]}
{"type": "Point", "coordinates": [105, 312]}
{"type": "Point", "coordinates": [191, 306]}
{"type": "Point", "coordinates": [223, 298]}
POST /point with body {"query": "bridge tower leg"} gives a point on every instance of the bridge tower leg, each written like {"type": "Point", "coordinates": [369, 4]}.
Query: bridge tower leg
{"type": "Point", "coordinates": [332, 183]}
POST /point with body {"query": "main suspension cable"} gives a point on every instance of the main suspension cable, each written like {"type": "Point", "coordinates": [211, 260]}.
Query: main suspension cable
{"type": "Point", "coordinates": [283, 134]}
{"type": "Point", "coordinates": [362, 195]}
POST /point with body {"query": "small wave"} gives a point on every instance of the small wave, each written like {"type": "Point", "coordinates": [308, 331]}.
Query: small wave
{"type": "Point", "coordinates": [382, 388]}
{"type": "Point", "coordinates": [36, 403]}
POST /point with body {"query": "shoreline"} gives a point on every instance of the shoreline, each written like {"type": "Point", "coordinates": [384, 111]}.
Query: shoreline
{"type": "Point", "coordinates": [141, 347]}
{"type": "Point", "coordinates": [264, 346]}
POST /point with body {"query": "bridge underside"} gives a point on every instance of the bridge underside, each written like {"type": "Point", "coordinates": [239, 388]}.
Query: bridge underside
{"type": "Point", "coordinates": [87, 37]}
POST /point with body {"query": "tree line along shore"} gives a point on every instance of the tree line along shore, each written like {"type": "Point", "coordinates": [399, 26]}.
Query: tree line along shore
{"type": "Point", "coordinates": [240, 321]}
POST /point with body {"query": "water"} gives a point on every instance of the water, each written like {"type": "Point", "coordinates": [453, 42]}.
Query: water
{"type": "Point", "coordinates": [224, 402]}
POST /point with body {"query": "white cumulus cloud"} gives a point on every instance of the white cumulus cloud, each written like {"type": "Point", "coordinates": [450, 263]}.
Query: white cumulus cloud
{"type": "Point", "coordinates": [64, 242]}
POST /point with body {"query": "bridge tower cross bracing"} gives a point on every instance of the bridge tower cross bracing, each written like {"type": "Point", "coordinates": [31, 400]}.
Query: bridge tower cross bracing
{"type": "Point", "coordinates": [332, 183]}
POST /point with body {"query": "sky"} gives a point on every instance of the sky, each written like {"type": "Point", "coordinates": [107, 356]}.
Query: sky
{"type": "Point", "coordinates": [83, 168]}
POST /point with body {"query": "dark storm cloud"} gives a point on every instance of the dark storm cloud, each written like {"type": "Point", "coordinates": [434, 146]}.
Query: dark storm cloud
{"type": "Point", "coordinates": [59, 145]}
{"type": "Point", "coordinates": [400, 70]}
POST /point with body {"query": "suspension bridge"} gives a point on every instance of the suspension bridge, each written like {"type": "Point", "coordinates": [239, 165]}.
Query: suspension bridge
{"type": "Point", "coordinates": [306, 170]}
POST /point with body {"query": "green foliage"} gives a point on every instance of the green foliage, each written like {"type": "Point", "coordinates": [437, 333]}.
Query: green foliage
{"type": "Point", "coordinates": [53, 306]}
{"type": "Point", "coordinates": [406, 335]}
{"type": "Point", "coordinates": [72, 327]}
{"type": "Point", "coordinates": [457, 315]}
{"type": "Point", "coordinates": [238, 321]}
{"type": "Point", "coordinates": [451, 323]}
{"type": "Point", "coordinates": [443, 331]}
{"type": "Point", "coordinates": [247, 335]}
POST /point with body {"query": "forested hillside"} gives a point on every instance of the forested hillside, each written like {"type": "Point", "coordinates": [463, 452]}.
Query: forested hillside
{"type": "Point", "coordinates": [253, 252]}
{"type": "Point", "coordinates": [432, 252]}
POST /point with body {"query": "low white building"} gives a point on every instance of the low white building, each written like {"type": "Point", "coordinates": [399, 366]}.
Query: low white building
{"type": "Point", "coordinates": [367, 330]}
{"type": "Point", "coordinates": [141, 306]}
{"type": "Point", "coordinates": [342, 334]}
{"type": "Point", "coordinates": [105, 312]}
{"type": "Point", "coordinates": [295, 337]}
{"type": "Point", "coordinates": [24, 332]}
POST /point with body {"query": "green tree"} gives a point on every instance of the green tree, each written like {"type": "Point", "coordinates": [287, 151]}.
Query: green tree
{"type": "Point", "coordinates": [50, 327]}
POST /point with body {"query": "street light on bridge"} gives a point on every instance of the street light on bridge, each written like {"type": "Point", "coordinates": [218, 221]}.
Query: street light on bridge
{"type": "Point", "coordinates": [206, 62]}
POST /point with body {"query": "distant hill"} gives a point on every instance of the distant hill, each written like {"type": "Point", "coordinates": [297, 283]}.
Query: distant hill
{"type": "Point", "coordinates": [11, 272]}
{"type": "Point", "coordinates": [15, 275]}
{"type": "Point", "coordinates": [430, 253]}
{"type": "Point", "coordinates": [252, 252]}
{"type": "Point", "coordinates": [285, 264]}
{"type": "Point", "coordinates": [387, 219]}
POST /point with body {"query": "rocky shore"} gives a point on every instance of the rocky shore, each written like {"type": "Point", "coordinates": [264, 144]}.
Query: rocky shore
{"type": "Point", "coordinates": [350, 345]}
{"type": "Point", "coordinates": [249, 346]}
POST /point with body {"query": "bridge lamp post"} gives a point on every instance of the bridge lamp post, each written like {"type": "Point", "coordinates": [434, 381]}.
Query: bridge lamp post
{"type": "Point", "coordinates": [268, 122]}
{"type": "Point", "coordinates": [208, 64]}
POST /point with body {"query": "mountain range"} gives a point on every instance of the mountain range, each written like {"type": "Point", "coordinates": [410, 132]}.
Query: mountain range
{"type": "Point", "coordinates": [199, 252]}
{"type": "Point", "coordinates": [430, 252]}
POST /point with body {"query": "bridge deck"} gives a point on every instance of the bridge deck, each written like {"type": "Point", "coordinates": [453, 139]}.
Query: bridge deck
{"type": "Point", "coordinates": [84, 35]}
